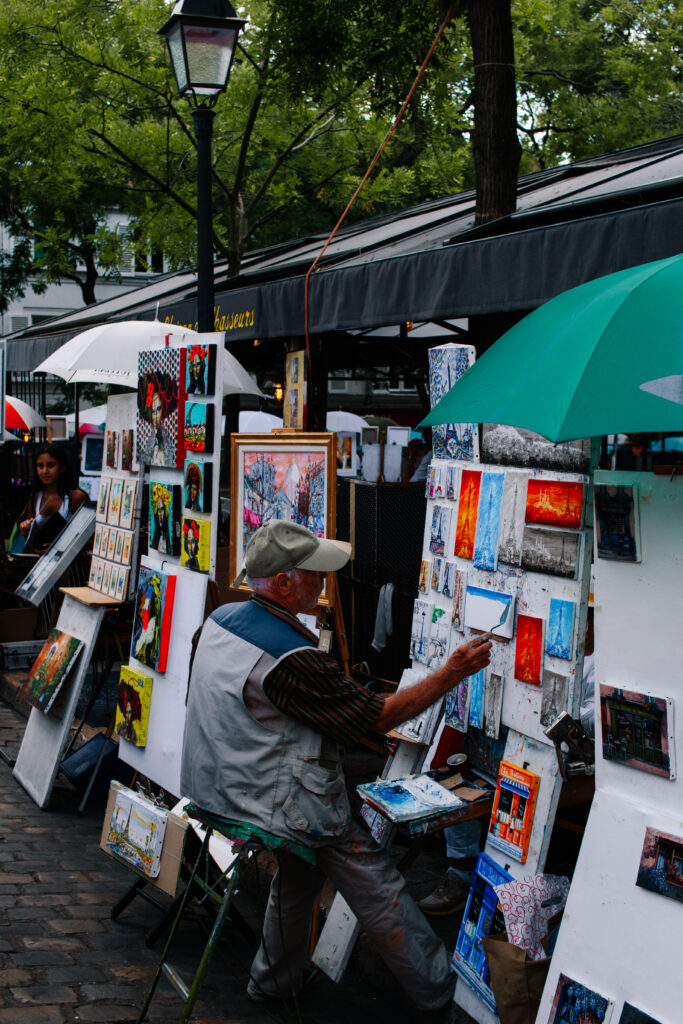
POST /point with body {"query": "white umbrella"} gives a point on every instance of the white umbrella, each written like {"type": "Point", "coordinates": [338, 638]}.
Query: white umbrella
{"type": "Point", "coordinates": [108, 354]}
{"type": "Point", "coordinates": [345, 421]}
{"type": "Point", "coordinates": [255, 422]}
{"type": "Point", "coordinates": [21, 416]}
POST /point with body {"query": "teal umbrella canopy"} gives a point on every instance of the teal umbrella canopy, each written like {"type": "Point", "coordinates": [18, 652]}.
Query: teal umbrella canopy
{"type": "Point", "coordinates": [583, 364]}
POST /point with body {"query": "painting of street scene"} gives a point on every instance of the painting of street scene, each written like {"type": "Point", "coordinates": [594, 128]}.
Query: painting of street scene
{"type": "Point", "coordinates": [661, 864]}
{"type": "Point", "coordinates": [288, 485]}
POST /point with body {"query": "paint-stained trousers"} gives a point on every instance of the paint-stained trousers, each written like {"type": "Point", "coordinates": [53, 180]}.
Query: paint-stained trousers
{"type": "Point", "coordinates": [376, 892]}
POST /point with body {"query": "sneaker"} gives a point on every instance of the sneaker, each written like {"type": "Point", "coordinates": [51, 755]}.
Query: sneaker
{"type": "Point", "coordinates": [449, 896]}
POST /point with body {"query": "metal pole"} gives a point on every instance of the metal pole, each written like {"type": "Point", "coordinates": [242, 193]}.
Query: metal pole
{"type": "Point", "coordinates": [203, 130]}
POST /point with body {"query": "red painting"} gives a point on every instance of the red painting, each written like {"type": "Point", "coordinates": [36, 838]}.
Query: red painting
{"type": "Point", "coordinates": [529, 649]}
{"type": "Point", "coordinates": [554, 503]}
{"type": "Point", "coordinates": [467, 513]}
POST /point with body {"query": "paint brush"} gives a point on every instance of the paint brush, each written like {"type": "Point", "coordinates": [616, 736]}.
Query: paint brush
{"type": "Point", "coordinates": [485, 637]}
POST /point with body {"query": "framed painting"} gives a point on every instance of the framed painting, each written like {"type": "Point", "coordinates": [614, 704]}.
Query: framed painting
{"type": "Point", "coordinates": [347, 456]}
{"type": "Point", "coordinates": [280, 476]}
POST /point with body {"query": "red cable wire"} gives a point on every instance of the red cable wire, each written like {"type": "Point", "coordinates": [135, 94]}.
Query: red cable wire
{"type": "Point", "coordinates": [364, 179]}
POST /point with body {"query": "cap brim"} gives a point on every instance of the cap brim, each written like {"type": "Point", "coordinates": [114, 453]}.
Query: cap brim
{"type": "Point", "coordinates": [329, 556]}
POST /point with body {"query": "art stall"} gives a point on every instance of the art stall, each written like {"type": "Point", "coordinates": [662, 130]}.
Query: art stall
{"type": "Point", "coordinates": [617, 955]}
{"type": "Point", "coordinates": [506, 550]}
{"type": "Point", "coordinates": [161, 443]}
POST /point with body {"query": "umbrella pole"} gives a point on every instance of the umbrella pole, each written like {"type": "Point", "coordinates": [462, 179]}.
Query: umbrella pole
{"type": "Point", "coordinates": [78, 452]}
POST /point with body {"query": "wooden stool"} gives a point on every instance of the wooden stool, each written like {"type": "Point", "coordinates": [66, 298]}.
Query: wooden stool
{"type": "Point", "coordinates": [252, 841]}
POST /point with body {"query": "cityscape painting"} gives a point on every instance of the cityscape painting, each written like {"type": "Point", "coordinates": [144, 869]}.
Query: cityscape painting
{"type": "Point", "coordinates": [554, 503]}
{"type": "Point", "coordinates": [277, 478]}
{"type": "Point", "coordinates": [551, 551]}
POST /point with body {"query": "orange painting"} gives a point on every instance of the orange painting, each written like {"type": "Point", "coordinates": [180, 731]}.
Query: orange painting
{"type": "Point", "coordinates": [529, 649]}
{"type": "Point", "coordinates": [467, 513]}
{"type": "Point", "coordinates": [554, 503]}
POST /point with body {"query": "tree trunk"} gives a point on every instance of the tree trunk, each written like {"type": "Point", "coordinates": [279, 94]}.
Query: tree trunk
{"type": "Point", "coordinates": [495, 145]}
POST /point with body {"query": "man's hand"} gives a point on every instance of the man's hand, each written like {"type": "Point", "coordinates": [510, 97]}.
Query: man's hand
{"type": "Point", "coordinates": [465, 661]}
{"type": "Point", "coordinates": [469, 658]}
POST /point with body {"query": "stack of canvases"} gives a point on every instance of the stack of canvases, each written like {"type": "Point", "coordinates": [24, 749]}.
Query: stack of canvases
{"type": "Point", "coordinates": [506, 550]}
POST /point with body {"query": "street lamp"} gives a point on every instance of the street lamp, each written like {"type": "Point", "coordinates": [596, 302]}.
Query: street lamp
{"type": "Point", "coordinates": [201, 36]}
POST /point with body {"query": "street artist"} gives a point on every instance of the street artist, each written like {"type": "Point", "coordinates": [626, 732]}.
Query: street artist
{"type": "Point", "coordinates": [267, 715]}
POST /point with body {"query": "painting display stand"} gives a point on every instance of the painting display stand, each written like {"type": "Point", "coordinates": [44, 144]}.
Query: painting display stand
{"type": "Point", "coordinates": [623, 942]}
{"type": "Point", "coordinates": [45, 737]}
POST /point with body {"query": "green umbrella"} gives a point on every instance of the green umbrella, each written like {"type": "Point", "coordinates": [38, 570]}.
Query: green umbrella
{"type": "Point", "coordinates": [574, 367]}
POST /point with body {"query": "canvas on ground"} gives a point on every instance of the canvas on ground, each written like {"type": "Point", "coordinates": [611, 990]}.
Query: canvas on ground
{"type": "Point", "coordinates": [637, 730]}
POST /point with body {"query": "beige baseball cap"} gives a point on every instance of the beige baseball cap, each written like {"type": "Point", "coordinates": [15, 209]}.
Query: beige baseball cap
{"type": "Point", "coordinates": [279, 546]}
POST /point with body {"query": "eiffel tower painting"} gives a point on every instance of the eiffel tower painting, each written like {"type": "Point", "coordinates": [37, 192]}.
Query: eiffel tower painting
{"type": "Point", "coordinates": [529, 649]}
{"type": "Point", "coordinates": [467, 513]}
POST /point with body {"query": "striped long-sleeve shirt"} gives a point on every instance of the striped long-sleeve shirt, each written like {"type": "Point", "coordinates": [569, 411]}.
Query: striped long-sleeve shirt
{"type": "Point", "coordinates": [311, 686]}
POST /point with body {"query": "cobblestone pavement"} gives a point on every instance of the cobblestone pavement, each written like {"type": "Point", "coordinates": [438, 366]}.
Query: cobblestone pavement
{"type": "Point", "coordinates": [62, 959]}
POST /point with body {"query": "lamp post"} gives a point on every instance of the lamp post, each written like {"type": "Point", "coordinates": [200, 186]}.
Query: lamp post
{"type": "Point", "coordinates": [201, 36]}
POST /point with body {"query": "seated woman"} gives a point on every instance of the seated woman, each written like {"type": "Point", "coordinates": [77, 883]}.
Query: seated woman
{"type": "Point", "coordinates": [53, 502]}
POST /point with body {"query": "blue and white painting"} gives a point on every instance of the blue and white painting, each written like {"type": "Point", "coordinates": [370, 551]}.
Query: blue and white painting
{"type": "Point", "coordinates": [448, 586]}
{"type": "Point", "coordinates": [490, 611]}
{"type": "Point", "coordinates": [438, 539]}
{"type": "Point", "coordinates": [488, 521]}
{"type": "Point", "coordinates": [420, 630]}
{"type": "Point", "coordinates": [447, 364]}
{"type": "Point", "coordinates": [476, 713]}
{"type": "Point", "coordinates": [560, 628]}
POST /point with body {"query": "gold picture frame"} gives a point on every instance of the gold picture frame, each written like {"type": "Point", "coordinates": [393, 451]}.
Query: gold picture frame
{"type": "Point", "coordinates": [280, 476]}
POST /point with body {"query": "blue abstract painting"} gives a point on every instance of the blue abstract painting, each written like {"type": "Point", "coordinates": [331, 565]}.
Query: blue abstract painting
{"type": "Point", "coordinates": [560, 628]}
{"type": "Point", "coordinates": [476, 714]}
{"type": "Point", "coordinates": [486, 538]}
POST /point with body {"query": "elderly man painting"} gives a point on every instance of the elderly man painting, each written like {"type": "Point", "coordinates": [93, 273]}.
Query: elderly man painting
{"type": "Point", "coordinates": [267, 715]}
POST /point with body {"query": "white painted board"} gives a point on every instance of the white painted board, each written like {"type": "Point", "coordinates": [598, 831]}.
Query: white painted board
{"type": "Point", "coordinates": [45, 737]}
{"type": "Point", "coordinates": [617, 938]}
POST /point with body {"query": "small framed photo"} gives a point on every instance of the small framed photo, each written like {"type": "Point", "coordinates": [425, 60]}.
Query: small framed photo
{"type": "Point", "coordinates": [398, 435]}
{"type": "Point", "coordinates": [347, 453]}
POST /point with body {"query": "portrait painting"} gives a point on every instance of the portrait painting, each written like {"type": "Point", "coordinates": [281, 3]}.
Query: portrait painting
{"type": "Point", "coordinates": [199, 428]}
{"type": "Point", "coordinates": [560, 628]}
{"type": "Point", "coordinates": [159, 408]}
{"type": "Point", "coordinates": [554, 503]}
{"type": "Point", "coordinates": [154, 599]}
{"type": "Point", "coordinates": [576, 1002]}
{"type": "Point", "coordinates": [488, 521]}
{"type": "Point", "coordinates": [468, 504]}
{"type": "Point", "coordinates": [164, 518]}
{"type": "Point", "coordinates": [529, 649]}
{"type": "Point", "coordinates": [200, 369]}
{"type": "Point", "coordinates": [280, 478]}
{"type": "Point", "coordinates": [195, 552]}
{"type": "Point", "coordinates": [637, 730]}
{"type": "Point", "coordinates": [50, 671]}
{"type": "Point", "coordinates": [198, 485]}
{"type": "Point", "coordinates": [132, 706]}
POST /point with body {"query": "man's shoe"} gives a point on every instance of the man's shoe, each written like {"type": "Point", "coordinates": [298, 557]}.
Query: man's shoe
{"type": "Point", "coordinates": [449, 896]}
